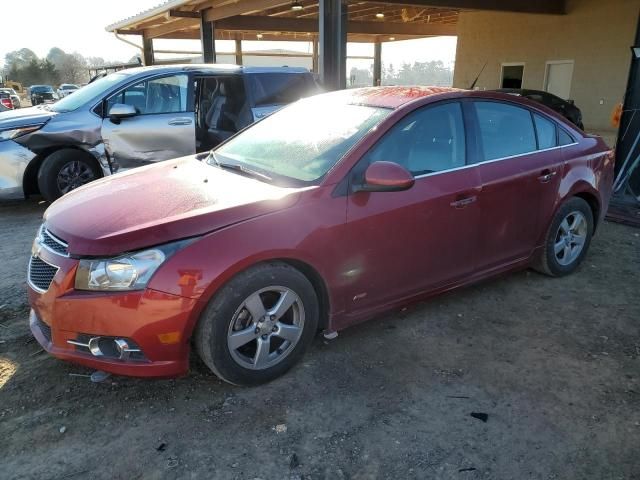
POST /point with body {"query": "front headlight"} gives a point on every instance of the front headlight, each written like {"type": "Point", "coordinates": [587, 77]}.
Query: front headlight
{"type": "Point", "coordinates": [17, 132]}
{"type": "Point", "coordinates": [127, 272]}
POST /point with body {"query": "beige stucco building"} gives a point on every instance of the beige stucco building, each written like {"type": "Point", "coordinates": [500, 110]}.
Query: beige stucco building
{"type": "Point", "coordinates": [583, 55]}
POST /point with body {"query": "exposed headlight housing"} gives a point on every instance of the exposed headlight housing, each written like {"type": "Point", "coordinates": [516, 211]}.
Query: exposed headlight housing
{"type": "Point", "coordinates": [18, 132]}
{"type": "Point", "coordinates": [126, 272]}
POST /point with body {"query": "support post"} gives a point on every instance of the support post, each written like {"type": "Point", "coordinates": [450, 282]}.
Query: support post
{"type": "Point", "coordinates": [147, 51]}
{"type": "Point", "coordinates": [207, 38]}
{"type": "Point", "coordinates": [333, 44]}
{"type": "Point", "coordinates": [314, 55]}
{"type": "Point", "coordinates": [238, 51]}
{"type": "Point", "coordinates": [377, 64]}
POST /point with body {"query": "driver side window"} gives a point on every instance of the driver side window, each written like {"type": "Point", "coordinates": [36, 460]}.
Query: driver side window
{"type": "Point", "coordinates": [159, 95]}
{"type": "Point", "coordinates": [430, 139]}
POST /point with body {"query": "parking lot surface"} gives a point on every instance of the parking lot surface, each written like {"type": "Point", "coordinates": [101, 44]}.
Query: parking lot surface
{"type": "Point", "coordinates": [553, 363]}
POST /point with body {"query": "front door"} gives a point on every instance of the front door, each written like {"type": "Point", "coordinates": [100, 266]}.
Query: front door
{"type": "Point", "coordinates": [520, 169]}
{"type": "Point", "coordinates": [163, 128]}
{"type": "Point", "coordinates": [408, 242]}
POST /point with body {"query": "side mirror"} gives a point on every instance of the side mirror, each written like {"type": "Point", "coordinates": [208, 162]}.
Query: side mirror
{"type": "Point", "coordinates": [385, 177]}
{"type": "Point", "coordinates": [120, 111]}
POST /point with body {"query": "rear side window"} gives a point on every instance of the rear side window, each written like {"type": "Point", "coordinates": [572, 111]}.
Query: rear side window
{"type": "Point", "coordinates": [505, 130]}
{"type": "Point", "coordinates": [428, 140]}
{"type": "Point", "coordinates": [546, 130]}
{"type": "Point", "coordinates": [564, 138]}
{"type": "Point", "coordinates": [280, 88]}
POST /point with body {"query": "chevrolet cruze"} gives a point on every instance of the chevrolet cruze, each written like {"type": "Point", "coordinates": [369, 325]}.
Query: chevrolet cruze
{"type": "Point", "coordinates": [334, 209]}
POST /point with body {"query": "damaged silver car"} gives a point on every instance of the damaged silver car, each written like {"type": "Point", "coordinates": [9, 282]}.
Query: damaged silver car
{"type": "Point", "coordinates": [135, 117]}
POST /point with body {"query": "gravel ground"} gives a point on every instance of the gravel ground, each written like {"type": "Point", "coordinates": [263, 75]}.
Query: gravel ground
{"type": "Point", "coordinates": [553, 363]}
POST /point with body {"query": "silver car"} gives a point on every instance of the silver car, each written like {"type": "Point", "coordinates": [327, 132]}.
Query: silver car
{"type": "Point", "coordinates": [135, 117]}
{"type": "Point", "coordinates": [66, 89]}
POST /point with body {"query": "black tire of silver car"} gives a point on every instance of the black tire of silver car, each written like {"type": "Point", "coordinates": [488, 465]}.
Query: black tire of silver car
{"type": "Point", "coordinates": [66, 170]}
{"type": "Point", "coordinates": [568, 238]}
{"type": "Point", "coordinates": [258, 325]}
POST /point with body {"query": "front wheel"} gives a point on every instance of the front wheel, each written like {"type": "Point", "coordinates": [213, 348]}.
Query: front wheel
{"type": "Point", "coordinates": [259, 325]}
{"type": "Point", "coordinates": [568, 238]}
{"type": "Point", "coordinates": [66, 170]}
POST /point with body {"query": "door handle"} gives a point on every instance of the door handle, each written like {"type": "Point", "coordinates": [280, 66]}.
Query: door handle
{"type": "Point", "coordinates": [463, 202]}
{"type": "Point", "coordinates": [180, 121]}
{"type": "Point", "coordinates": [547, 175]}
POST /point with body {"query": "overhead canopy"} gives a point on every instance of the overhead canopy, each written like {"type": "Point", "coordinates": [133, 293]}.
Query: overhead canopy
{"type": "Point", "coordinates": [333, 22]}
{"type": "Point", "coordinates": [276, 20]}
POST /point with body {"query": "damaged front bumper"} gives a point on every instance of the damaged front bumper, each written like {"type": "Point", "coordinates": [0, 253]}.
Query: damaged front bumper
{"type": "Point", "coordinates": [14, 159]}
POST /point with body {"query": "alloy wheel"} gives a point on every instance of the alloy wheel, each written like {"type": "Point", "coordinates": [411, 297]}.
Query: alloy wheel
{"type": "Point", "coordinates": [74, 174]}
{"type": "Point", "coordinates": [570, 238]}
{"type": "Point", "coordinates": [266, 328]}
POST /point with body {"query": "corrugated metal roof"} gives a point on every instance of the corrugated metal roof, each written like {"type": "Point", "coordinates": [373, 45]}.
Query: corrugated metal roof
{"type": "Point", "coordinates": [151, 12]}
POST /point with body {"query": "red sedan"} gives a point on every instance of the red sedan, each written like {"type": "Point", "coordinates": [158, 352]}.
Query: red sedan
{"type": "Point", "coordinates": [334, 209]}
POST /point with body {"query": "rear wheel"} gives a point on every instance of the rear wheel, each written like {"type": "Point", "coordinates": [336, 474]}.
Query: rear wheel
{"type": "Point", "coordinates": [259, 325]}
{"type": "Point", "coordinates": [66, 170]}
{"type": "Point", "coordinates": [568, 238]}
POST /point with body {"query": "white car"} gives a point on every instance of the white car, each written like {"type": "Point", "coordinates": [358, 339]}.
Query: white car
{"type": "Point", "coordinates": [67, 89]}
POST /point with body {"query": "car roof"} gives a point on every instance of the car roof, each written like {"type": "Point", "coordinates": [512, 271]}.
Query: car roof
{"type": "Point", "coordinates": [211, 68]}
{"type": "Point", "coordinates": [393, 97]}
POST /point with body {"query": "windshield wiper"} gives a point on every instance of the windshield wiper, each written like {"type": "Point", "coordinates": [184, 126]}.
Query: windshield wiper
{"type": "Point", "coordinates": [238, 168]}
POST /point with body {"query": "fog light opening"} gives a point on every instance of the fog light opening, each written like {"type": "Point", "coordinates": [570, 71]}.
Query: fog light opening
{"type": "Point", "coordinates": [123, 348]}
{"type": "Point", "coordinates": [94, 347]}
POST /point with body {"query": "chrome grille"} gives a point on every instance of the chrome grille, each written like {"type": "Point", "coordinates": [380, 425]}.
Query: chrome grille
{"type": "Point", "coordinates": [41, 274]}
{"type": "Point", "coordinates": [53, 243]}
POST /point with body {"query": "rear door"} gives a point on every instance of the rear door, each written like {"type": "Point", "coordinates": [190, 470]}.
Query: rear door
{"type": "Point", "coordinates": [164, 127]}
{"type": "Point", "coordinates": [520, 168]}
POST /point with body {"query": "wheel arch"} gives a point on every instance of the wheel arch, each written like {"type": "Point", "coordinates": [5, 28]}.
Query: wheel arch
{"type": "Point", "coordinates": [310, 272]}
{"type": "Point", "coordinates": [319, 285]}
{"type": "Point", "coordinates": [30, 177]}
{"type": "Point", "coordinates": [593, 202]}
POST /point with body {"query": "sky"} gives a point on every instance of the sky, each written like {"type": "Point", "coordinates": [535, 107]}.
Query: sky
{"type": "Point", "coordinates": [79, 26]}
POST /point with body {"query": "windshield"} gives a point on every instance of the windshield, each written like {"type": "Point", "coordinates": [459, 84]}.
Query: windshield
{"type": "Point", "coordinates": [302, 141]}
{"type": "Point", "coordinates": [85, 94]}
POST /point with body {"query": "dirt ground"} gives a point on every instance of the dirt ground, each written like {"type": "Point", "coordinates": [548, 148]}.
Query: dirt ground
{"type": "Point", "coordinates": [554, 363]}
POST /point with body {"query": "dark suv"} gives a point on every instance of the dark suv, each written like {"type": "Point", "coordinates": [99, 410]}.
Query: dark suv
{"type": "Point", "coordinates": [41, 94]}
{"type": "Point", "coordinates": [135, 117]}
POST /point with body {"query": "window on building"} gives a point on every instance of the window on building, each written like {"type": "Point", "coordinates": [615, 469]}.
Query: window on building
{"type": "Point", "coordinates": [512, 76]}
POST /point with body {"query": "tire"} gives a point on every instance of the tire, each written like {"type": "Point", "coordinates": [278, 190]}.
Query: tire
{"type": "Point", "coordinates": [227, 314]}
{"type": "Point", "coordinates": [560, 255]}
{"type": "Point", "coordinates": [66, 170]}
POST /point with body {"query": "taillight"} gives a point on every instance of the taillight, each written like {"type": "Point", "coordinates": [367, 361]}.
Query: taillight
{"type": "Point", "coordinates": [6, 102]}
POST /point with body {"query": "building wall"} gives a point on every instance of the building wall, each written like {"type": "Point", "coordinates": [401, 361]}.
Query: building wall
{"type": "Point", "coordinates": [595, 34]}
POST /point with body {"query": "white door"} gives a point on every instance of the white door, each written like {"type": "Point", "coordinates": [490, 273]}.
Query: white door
{"type": "Point", "coordinates": [558, 79]}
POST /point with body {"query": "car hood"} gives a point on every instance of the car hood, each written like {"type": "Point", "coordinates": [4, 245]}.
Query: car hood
{"type": "Point", "coordinates": [24, 116]}
{"type": "Point", "coordinates": [157, 204]}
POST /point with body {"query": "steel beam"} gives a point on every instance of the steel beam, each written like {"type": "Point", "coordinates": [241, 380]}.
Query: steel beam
{"type": "Point", "coordinates": [377, 64]}
{"type": "Point", "coordinates": [238, 51]}
{"type": "Point", "coordinates": [333, 44]}
{"type": "Point", "coordinates": [208, 39]}
{"type": "Point", "coordinates": [555, 7]}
